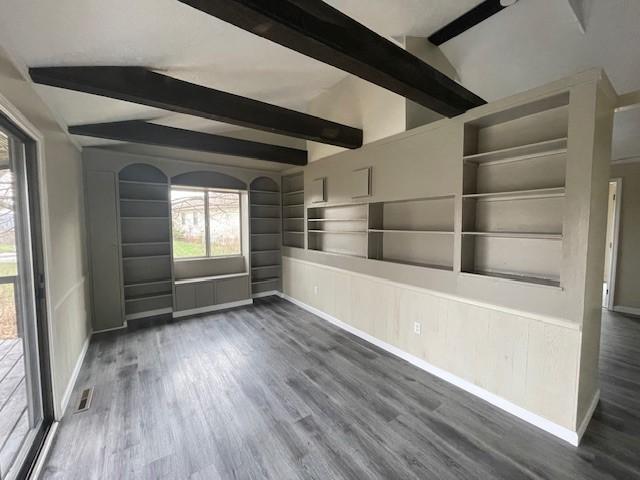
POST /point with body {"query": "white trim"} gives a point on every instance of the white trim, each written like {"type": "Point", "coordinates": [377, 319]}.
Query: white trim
{"type": "Point", "coordinates": [587, 418]}
{"type": "Point", "coordinates": [212, 308]}
{"type": "Point", "coordinates": [560, 322]}
{"type": "Point", "coordinates": [529, 417]}
{"type": "Point", "coordinates": [43, 456]}
{"type": "Point", "coordinates": [266, 294]}
{"type": "Point", "coordinates": [72, 381]}
{"type": "Point", "coordinates": [613, 267]}
{"type": "Point", "coordinates": [628, 310]}
{"type": "Point", "coordinates": [113, 329]}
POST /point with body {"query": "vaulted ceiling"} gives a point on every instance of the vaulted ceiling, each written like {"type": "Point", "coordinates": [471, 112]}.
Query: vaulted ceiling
{"type": "Point", "coordinates": [526, 45]}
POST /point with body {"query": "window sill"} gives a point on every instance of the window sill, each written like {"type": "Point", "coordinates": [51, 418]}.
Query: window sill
{"type": "Point", "coordinates": [199, 259]}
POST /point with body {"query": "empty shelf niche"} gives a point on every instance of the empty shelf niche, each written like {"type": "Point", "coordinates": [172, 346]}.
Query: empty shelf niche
{"type": "Point", "coordinates": [338, 229]}
{"type": "Point", "coordinates": [293, 210]}
{"type": "Point", "coordinates": [514, 190]}
{"type": "Point", "coordinates": [413, 232]}
{"type": "Point", "coordinates": [265, 235]}
{"type": "Point", "coordinates": [145, 226]}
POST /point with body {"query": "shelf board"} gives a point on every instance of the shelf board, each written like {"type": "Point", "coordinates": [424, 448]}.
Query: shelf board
{"type": "Point", "coordinates": [264, 205]}
{"type": "Point", "coordinates": [343, 232]}
{"type": "Point", "coordinates": [539, 281]}
{"type": "Point", "coordinates": [534, 236]}
{"type": "Point", "coordinates": [293, 218]}
{"type": "Point", "coordinates": [295, 192]}
{"type": "Point", "coordinates": [148, 297]}
{"type": "Point", "coordinates": [146, 257]}
{"type": "Point", "coordinates": [129, 244]}
{"type": "Point", "coordinates": [149, 283]}
{"type": "Point", "coordinates": [266, 280]}
{"type": "Point", "coordinates": [415, 264]}
{"type": "Point", "coordinates": [294, 205]}
{"type": "Point", "coordinates": [266, 267]}
{"type": "Point", "coordinates": [143, 200]}
{"type": "Point", "coordinates": [255, 252]}
{"type": "Point", "coordinates": [334, 252]}
{"type": "Point", "coordinates": [298, 232]}
{"type": "Point", "coordinates": [264, 234]}
{"type": "Point", "coordinates": [337, 219]}
{"type": "Point", "coordinates": [264, 191]}
{"type": "Point", "coordinates": [265, 218]}
{"type": "Point", "coordinates": [519, 194]}
{"type": "Point", "coordinates": [424, 232]}
{"type": "Point", "coordinates": [145, 218]}
{"type": "Point", "coordinates": [522, 152]}
{"type": "Point", "coordinates": [186, 281]}
{"type": "Point", "coordinates": [139, 182]}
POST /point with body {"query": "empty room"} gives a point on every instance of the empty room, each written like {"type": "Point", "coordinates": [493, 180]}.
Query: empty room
{"type": "Point", "coordinates": [306, 239]}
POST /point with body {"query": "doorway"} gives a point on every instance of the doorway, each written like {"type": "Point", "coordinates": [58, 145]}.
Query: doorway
{"type": "Point", "coordinates": [26, 409]}
{"type": "Point", "coordinates": [611, 246]}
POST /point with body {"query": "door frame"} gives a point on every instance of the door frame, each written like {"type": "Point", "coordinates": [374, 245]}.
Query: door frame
{"type": "Point", "coordinates": [35, 163]}
{"type": "Point", "coordinates": [611, 281]}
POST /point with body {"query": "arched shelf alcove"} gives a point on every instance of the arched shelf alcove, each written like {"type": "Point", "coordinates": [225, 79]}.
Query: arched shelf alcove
{"type": "Point", "coordinates": [145, 229]}
{"type": "Point", "coordinates": [204, 179]}
{"type": "Point", "coordinates": [265, 227]}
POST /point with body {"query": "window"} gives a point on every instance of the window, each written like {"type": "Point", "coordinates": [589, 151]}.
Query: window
{"type": "Point", "coordinates": [206, 223]}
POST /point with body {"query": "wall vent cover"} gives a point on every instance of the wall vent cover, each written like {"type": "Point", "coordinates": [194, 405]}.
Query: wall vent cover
{"type": "Point", "coordinates": [85, 400]}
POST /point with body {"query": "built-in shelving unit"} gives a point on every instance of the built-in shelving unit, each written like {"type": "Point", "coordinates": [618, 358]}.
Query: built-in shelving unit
{"type": "Point", "coordinates": [293, 210]}
{"type": "Point", "coordinates": [416, 232]}
{"type": "Point", "coordinates": [514, 191]}
{"type": "Point", "coordinates": [145, 228]}
{"type": "Point", "coordinates": [338, 229]}
{"type": "Point", "coordinates": [265, 230]}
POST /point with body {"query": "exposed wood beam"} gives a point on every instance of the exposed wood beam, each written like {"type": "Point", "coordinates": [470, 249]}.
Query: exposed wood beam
{"type": "Point", "coordinates": [473, 17]}
{"type": "Point", "coordinates": [628, 101]}
{"type": "Point", "coordinates": [139, 131]}
{"type": "Point", "coordinates": [143, 86]}
{"type": "Point", "coordinates": [318, 30]}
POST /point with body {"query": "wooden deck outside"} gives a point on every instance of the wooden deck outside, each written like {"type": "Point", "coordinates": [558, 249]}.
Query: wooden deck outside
{"type": "Point", "coordinates": [14, 415]}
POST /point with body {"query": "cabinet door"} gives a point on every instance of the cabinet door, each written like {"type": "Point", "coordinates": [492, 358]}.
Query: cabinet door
{"type": "Point", "coordinates": [204, 294]}
{"type": "Point", "coordinates": [232, 290]}
{"type": "Point", "coordinates": [102, 223]}
{"type": "Point", "coordinates": [185, 297]}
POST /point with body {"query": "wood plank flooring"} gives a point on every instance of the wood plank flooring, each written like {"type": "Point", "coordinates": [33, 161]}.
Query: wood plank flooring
{"type": "Point", "coordinates": [272, 392]}
{"type": "Point", "coordinates": [14, 419]}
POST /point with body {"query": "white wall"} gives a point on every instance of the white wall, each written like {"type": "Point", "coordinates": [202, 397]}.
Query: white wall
{"type": "Point", "coordinates": [66, 262]}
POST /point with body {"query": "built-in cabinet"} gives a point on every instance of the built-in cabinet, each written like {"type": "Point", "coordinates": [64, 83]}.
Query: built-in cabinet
{"type": "Point", "coordinates": [265, 225]}
{"type": "Point", "coordinates": [293, 210]}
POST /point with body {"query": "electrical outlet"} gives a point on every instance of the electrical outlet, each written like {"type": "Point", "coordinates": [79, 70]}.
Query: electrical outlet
{"type": "Point", "coordinates": [315, 289]}
{"type": "Point", "coordinates": [417, 328]}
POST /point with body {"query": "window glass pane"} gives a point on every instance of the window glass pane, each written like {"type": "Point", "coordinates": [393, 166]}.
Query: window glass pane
{"type": "Point", "coordinates": [224, 223]}
{"type": "Point", "coordinates": [188, 222]}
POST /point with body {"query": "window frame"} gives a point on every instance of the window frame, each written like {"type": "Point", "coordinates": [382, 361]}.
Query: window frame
{"type": "Point", "coordinates": [207, 232]}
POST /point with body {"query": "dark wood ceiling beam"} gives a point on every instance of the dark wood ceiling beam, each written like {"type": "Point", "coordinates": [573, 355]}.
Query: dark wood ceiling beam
{"type": "Point", "coordinates": [318, 30]}
{"type": "Point", "coordinates": [146, 87]}
{"type": "Point", "coordinates": [139, 131]}
{"type": "Point", "coordinates": [464, 22]}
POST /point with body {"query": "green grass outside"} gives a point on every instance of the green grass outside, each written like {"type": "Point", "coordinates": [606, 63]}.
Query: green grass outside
{"type": "Point", "coordinates": [182, 249]}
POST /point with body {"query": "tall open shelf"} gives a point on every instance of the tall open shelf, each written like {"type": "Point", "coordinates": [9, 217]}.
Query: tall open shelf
{"type": "Point", "coordinates": [145, 228]}
{"type": "Point", "coordinates": [293, 210]}
{"type": "Point", "coordinates": [413, 232]}
{"type": "Point", "coordinates": [340, 229]}
{"type": "Point", "coordinates": [265, 225]}
{"type": "Point", "coordinates": [513, 192]}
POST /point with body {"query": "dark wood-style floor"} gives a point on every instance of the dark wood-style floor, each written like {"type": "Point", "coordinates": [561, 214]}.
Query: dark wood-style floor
{"type": "Point", "coordinates": [271, 391]}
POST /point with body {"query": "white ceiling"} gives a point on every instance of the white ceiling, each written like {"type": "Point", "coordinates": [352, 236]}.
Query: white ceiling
{"type": "Point", "coordinates": [529, 44]}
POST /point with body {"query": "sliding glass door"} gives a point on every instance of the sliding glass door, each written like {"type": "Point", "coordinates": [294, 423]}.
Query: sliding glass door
{"type": "Point", "coordinates": [24, 401]}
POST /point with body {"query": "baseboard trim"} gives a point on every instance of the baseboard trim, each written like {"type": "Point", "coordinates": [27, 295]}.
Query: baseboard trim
{"type": "Point", "coordinates": [72, 381]}
{"type": "Point", "coordinates": [587, 418]}
{"type": "Point", "coordinates": [212, 308]}
{"type": "Point", "coordinates": [628, 310]}
{"type": "Point", "coordinates": [270, 293]}
{"type": "Point", "coordinates": [548, 426]}
{"type": "Point", "coordinates": [43, 455]}
{"type": "Point", "coordinates": [114, 329]}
